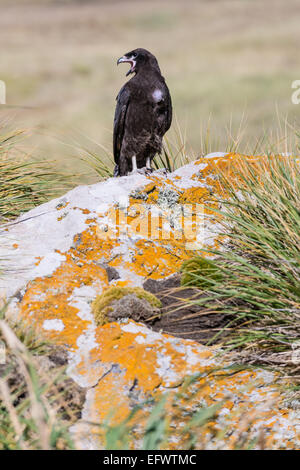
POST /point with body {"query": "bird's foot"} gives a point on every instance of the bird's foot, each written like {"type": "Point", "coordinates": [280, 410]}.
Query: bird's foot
{"type": "Point", "coordinates": [164, 171]}
{"type": "Point", "coordinates": [138, 171]}
{"type": "Point", "coordinates": [141, 171]}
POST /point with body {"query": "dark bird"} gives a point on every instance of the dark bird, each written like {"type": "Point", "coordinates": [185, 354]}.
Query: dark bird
{"type": "Point", "coordinates": [143, 114]}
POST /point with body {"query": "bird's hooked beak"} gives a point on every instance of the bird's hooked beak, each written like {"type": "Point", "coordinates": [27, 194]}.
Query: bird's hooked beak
{"type": "Point", "coordinates": [130, 61]}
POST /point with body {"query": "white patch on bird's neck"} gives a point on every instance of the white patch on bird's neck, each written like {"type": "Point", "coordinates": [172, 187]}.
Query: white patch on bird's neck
{"type": "Point", "coordinates": [157, 95]}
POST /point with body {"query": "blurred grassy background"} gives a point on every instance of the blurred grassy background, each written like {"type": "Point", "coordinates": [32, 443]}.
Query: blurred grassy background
{"type": "Point", "coordinates": [223, 59]}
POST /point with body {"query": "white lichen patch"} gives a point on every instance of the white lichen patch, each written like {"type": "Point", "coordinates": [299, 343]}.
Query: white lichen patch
{"type": "Point", "coordinates": [55, 325]}
{"type": "Point", "coordinates": [165, 369]}
{"type": "Point", "coordinates": [81, 299]}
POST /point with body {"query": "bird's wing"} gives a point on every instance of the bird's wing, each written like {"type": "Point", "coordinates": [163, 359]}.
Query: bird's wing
{"type": "Point", "coordinates": [119, 121]}
{"type": "Point", "coordinates": [165, 112]}
{"type": "Point", "coordinates": [169, 111]}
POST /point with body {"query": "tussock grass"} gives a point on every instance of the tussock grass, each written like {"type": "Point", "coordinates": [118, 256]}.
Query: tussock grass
{"type": "Point", "coordinates": [24, 182]}
{"type": "Point", "coordinates": [258, 281]}
{"type": "Point", "coordinates": [283, 138]}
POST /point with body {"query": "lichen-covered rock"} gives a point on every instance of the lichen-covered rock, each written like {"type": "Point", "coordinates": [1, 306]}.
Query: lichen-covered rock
{"type": "Point", "coordinates": [120, 233]}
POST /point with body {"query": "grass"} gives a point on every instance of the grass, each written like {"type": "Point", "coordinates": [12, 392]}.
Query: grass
{"type": "Point", "coordinates": [176, 151]}
{"type": "Point", "coordinates": [25, 182]}
{"type": "Point", "coordinates": [255, 277]}
{"type": "Point", "coordinates": [36, 408]}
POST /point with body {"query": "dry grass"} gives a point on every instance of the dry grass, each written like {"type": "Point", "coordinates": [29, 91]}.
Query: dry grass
{"type": "Point", "coordinates": [25, 182]}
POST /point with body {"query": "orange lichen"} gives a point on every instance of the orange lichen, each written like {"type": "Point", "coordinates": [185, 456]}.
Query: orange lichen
{"type": "Point", "coordinates": [61, 206]}
{"type": "Point", "coordinates": [49, 298]}
{"type": "Point", "coordinates": [39, 259]}
{"type": "Point", "coordinates": [138, 363]}
{"type": "Point", "coordinates": [84, 211]}
{"type": "Point", "coordinates": [91, 221]}
{"type": "Point", "coordinates": [61, 217]}
{"type": "Point", "coordinates": [156, 260]}
{"type": "Point", "coordinates": [196, 195]}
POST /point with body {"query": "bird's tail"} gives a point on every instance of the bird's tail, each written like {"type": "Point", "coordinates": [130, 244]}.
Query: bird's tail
{"type": "Point", "coordinates": [116, 171]}
{"type": "Point", "coordinates": [123, 167]}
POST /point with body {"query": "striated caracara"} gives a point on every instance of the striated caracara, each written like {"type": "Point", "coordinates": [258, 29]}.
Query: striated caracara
{"type": "Point", "coordinates": [143, 114]}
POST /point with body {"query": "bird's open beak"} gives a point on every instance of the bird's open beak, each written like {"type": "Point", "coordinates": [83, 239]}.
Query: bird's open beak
{"type": "Point", "coordinates": [130, 61]}
{"type": "Point", "coordinates": [122, 59]}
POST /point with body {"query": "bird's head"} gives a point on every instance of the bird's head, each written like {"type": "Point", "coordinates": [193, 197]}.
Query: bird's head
{"type": "Point", "coordinates": [139, 59]}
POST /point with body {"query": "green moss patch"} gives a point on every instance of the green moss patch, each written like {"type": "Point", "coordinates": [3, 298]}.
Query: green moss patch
{"type": "Point", "coordinates": [200, 272]}
{"type": "Point", "coordinates": [103, 304]}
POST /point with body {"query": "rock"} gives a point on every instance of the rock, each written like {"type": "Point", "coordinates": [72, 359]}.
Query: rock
{"type": "Point", "coordinates": [117, 303]}
{"type": "Point", "coordinates": [181, 318]}
{"type": "Point", "coordinates": [118, 233]}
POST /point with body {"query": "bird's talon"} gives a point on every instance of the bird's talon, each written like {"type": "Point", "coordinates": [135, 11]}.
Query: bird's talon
{"type": "Point", "coordinates": [164, 171]}
{"type": "Point", "coordinates": [138, 171]}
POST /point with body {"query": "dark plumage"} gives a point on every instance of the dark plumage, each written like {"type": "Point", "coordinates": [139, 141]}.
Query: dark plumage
{"type": "Point", "coordinates": [143, 114]}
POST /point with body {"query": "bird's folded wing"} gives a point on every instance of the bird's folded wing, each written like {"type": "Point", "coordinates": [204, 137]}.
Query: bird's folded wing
{"type": "Point", "coordinates": [169, 112]}
{"type": "Point", "coordinates": [123, 99]}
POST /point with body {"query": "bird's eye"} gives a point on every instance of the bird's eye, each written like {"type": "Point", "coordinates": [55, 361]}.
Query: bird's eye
{"type": "Point", "coordinates": [134, 55]}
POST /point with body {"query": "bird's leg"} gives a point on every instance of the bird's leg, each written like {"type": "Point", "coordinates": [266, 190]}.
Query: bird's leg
{"type": "Point", "coordinates": [135, 169]}
{"type": "Point", "coordinates": [148, 165]}
{"type": "Point", "coordinates": [142, 171]}
{"type": "Point", "coordinates": [134, 165]}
